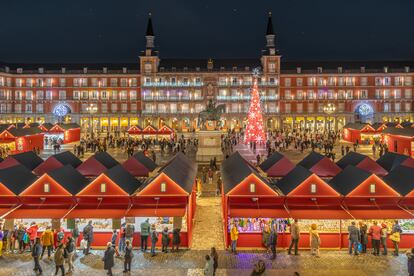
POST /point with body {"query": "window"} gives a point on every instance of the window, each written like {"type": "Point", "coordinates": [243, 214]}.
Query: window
{"type": "Point", "coordinates": [288, 96]}
{"type": "Point", "coordinates": [364, 94]}
{"type": "Point", "coordinates": [62, 82]}
{"type": "Point", "coordinates": [103, 188]}
{"type": "Point", "coordinates": [272, 67]}
{"type": "Point", "coordinates": [299, 107]}
{"type": "Point", "coordinates": [310, 107]}
{"type": "Point", "coordinates": [39, 95]}
{"type": "Point", "coordinates": [134, 107]}
{"type": "Point", "coordinates": [148, 67]}
{"type": "Point", "coordinates": [163, 187]}
{"type": "Point", "coordinates": [387, 107]}
{"type": "Point", "coordinates": [104, 108]}
{"type": "Point", "coordinates": [62, 94]}
{"type": "Point", "coordinates": [132, 95]}
{"type": "Point", "coordinates": [123, 95]}
{"type": "Point", "coordinates": [397, 107]}
{"type": "Point", "coordinates": [408, 81]}
{"type": "Point", "coordinates": [124, 82]}
{"type": "Point", "coordinates": [104, 95]}
{"type": "Point", "coordinates": [408, 107]}
{"type": "Point", "coordinates": [124, 108]}
{"type": "Point", "coordinates": [19, 82]}
{"type": "Point", "coordinates": [372, 188]}
{"type": "Point", "coordinates": [28, 108]}
{"type": "Point", "coordinates": [114, 82]}
{"type": "Point", "coordinates": [114, 95]}
{"type": "Point", "coordinates": [364, 81]}
{"type": "Point", "coordinates": [46, 188]}
{"type": "Point", "coordinates": [18, 108]}
{"type": "Point", "coordinates": [252, 187]}
{"type": "Point", "coordinates": [287, 82]}
{"type": "Point", "coordinates": [39, 108]}
{"type": "Point", "coordinates": [313, 188]}
{"type": "Point", "coordinates": [408, 93]}
{"type": "Point", "coordinates": [299, 82]}
{"type": "Point", "coordinates": [29, 82]}
{"type": "Point", "coordinates": [29, 95]}
{"type": "Point", "coordinates": [341, 107]}
{"type": "Point", "coordinates": [287, 107]}
{"type": "Point", "coordinates": [397, 93]}
{"type": "Point", "coordinates": [76, 95]}
{"type": "Point", "coordinates": [84, 95]}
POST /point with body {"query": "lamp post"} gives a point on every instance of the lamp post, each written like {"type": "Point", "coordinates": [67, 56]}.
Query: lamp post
{"type": "Point", "coordinates": [328, 109]}
{"type": "Point", "coordinates": [92, 109]}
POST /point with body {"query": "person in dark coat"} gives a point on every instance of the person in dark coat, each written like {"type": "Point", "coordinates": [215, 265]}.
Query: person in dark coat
{"type": "Point", "coordinates": [176, 240]}
{"type": "Point", "coordinates": [363, 229]}
{"type": "Point", "coordinates": [108, 258]}
{"type": "Point", "coordinates": [36, 253]}
{"type": "Point", "coordinates": [214, 257]}
{"type": "Point", "coordinates": [272, 242]}
{"type": "Point", "coordinates": [410, 262]}
{"type": "Point", "coordinates": [128, 257]}
{"type": "Point", "coordinates": [88, 236]}
{"type": "Point", "coordinates": [165, 240]}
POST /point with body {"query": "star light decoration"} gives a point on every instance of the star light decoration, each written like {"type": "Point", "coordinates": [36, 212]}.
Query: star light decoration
{"type": "Point", "coordinates": [254, 129]}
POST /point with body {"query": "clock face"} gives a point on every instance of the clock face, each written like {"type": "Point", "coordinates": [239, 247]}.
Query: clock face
{"type": "Point", "coordinates": [61, 110]}
{"type": "Point", "coordinates": [365, 109]}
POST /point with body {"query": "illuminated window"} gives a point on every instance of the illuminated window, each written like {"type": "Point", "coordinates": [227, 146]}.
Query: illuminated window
{"type": "Point", "coordinates": [103, 187]}
{"type": "Point", "coordinates": [372, 188]}
{"type": "Point", "coordinates": [313, 188]}
{"type": "Point", "coordinates": [252, 188]}
{"type": "Point", "coordinates": [46, 188]}
{"type": "Point", "coordinates": [163, 187]}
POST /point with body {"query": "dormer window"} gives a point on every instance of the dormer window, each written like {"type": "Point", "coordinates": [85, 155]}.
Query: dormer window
{"type": "Point", "coordinates": [163, 187]}
{"type": "Point", "coordinates": [103, 188]}
{"type": "Point", "coordinates": [252, 187]}
{"type": "Point", "coordinates": [313, 188]}
{"type": "Point", "coordinates": [372, 188]}
{"type": "Point", "coordinates": [46, 188]}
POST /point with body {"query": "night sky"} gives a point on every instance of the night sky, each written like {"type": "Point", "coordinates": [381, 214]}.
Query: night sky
{"type": "Point", "coordinates": [53, 31]}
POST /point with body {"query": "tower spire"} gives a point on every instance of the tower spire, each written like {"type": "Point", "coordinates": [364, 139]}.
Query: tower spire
{"type": "Point", "coordinates": [149, 35]}
{"type": "Point", "coordinates": [270, 35]}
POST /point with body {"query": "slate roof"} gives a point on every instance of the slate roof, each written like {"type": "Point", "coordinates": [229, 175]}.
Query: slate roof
{"type": "Point", "coordinates": [293, 179]}
{"type": "Point", "coordinates": [351, 158]}
{"type": "Point", "coordinates": [269, 29]}
{"type": "Point", "coordinates": [68, 158]}
{"type": "Point", "coordinates": [69, 126]}
{"type": "Point", "coordinates": [311, 160]}
{"type": "Point", "coordinates": [150, 30]}
{"type": "Point", "coordinates": [48, 126]}
{"type": "Point", "coordinates": [408, 132]}
{"type": "Point", "coordinates": [401, 179]}
{"type": "Point", "coordinates": [29, 159]}
{"type": "Point", "coordinates": [123, 179]}
{"type": "Point", "coordinates": [105, 159]}
{"type": "Point", "coordinates": [146, 161]}
{"type": "Point", "coordinates": [391, 160]}
{"type": "Point", "coordinates": [19, 132]}
{"type": "Point", "coordinates": [69, 178]}
{"type": "Point", "coordinates": [348, 179]}
{"type": "Point", "coordinates": [269, 162]}
{"type": "Point", "coordinates": [182, 171]}
{"type": "Point", "coordinates": [377, 125]}
{"type": "Point", "coordinates": [17, 178]}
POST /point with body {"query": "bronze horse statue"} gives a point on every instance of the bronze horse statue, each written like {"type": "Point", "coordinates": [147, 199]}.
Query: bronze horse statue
{"type": "Point", "coordinates": [212, 112]}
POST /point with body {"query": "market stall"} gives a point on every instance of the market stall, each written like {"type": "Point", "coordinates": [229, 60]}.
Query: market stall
{"type": "Point", "coordinates": [139, 165]}
{"type": "Point", "coordinates": [362, 162]}
{"type": "Point", "coordinates": [57, 161]}
{"type": "Point", "coordinates": [67, 133]}
{"type": "Point", "coordinates": [168, 199]}
{"type": "Point", "coordinates": [149, 131]}
{"type": "Point", "coordinates": [97, 164]}
{"type": "Point", "coordinates": [359, 133]}
{"type": "Point", "coordinates": [135, 132]}
{"type": "Point", "coordinates": [29, 159]}
{"type": "Point", "coordinates": [399, 140]}
{"type": "Point", "coordinates": [18, 140]}
{"type": "Point", "coordinates": [320, 165]}
{"type": "Point", "coordinates": [277, 165]}
{"type": "Point", "coordinates": [105, 201]}
{"type": "Point", "coordinates": [165, 132]}
{"type": "Point", "coordinates": [248, 200]}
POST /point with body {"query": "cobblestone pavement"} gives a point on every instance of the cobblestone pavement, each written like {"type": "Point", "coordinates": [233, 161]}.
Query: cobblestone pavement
{"type": "Point", "coordinates": [191, 262]}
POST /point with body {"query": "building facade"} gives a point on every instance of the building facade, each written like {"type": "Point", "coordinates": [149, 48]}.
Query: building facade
{"type": "Point", "coordinates": [160, 91]}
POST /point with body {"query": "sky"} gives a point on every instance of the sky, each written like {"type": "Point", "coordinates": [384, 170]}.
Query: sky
{"type": "Point", "coordinates": [112, 31]}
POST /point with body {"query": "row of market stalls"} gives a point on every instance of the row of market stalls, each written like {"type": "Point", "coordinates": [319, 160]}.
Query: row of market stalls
{"type": "Point", "coordinates": [20, 138]}
{"type": "Point", "coordinates": [151, 131]}
{"type": "Point", "coordinates": [399, 138]}
{"type": "Point", "coordinates": [62, 190]}
{"type": "Point", "coordinates": [252, 199]}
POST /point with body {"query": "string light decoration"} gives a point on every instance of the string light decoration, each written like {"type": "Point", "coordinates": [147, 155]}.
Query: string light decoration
{"type": "Point", "coordinates": [254, 129]}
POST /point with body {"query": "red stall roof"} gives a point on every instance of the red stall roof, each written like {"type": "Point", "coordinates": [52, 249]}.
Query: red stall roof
{"type": "Point", "coordinates": [320, 165]}
{"type": "Point", "coordinates": [361, 161]}
{"type": "Point", "coordinates": [29, 159]}
{"type": "Point", "coordinates": [150, 129]}
{"type": "Point", "coordinates": [165, 130]}
{"type": "Point", "coordinates": [57, 161]}
{"type": "Point", "coordinates": [97, 164]}
{"type": "Point", "coordinates": [63, 127]}
{"type": "Point", "coordinates": [135, 130]}
{"type": "Point", "coordinates": [360, 126]}
{"type": "Point", "coordinates": [409, 162]}
{"type": "Point", "coordinates": [404, 132]}
{"type": "Point", "coordinates": [139, 165]}
{"type": "Point", "coordinates": [277, 165]}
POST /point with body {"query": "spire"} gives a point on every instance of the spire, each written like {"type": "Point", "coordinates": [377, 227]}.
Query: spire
{"type": "Point", "coordinates": [150, 33]}
{"type": "Point", "coordinates": [269, 30]}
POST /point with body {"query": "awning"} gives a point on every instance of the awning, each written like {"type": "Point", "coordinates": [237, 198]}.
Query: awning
{"type": "Point", "coordinates": [37, 214]}
{"type": "Point", "coordinates": [258, 213]}
{"type": "Point", "coordinates": [96, 213]}
{"type": "Point", "coordinates": [319, 214]}
{"type": "Point", "coordinates": [160, 212]}
{"type": "Point", "coordinates": [381, 214]}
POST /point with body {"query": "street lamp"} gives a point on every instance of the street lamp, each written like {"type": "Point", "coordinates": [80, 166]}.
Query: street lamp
{"type": "Point", "coordinates": [92, 109]}
{"type": "Point", "coordinates": [328, 109]}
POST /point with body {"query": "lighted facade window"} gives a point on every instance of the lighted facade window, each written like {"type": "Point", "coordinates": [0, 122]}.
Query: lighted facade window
{"type": "Point", "coordinates": [163, 187]}
{"type": "Point", "coordinates": [252, 188]}
{"type": "Point", "coordinates": [103, 187]}
{"type": "Point", "coordinates": [46, 188]}
{"type": "Point", "coordinates": [372, 188]}
{"type": "Point", "coordinates": [313, 188]}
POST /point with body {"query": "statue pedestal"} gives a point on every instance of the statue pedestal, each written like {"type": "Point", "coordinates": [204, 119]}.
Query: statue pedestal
{"type": "Point", "coordinates": [209, 146]}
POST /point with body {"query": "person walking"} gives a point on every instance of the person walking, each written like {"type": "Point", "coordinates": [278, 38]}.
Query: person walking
{"type": "Point", "coordinates": [165, 240]}
{"type": "Point", "coordinates": [294, 236]}
{"type": "Point", "coordinates": [315, 240]}
{"type": "Point", "coordinates": [36, 253]}
{"type": "Point", "coordinates": [176, 239]}
{"type": "Point", "coordinates": [21, 237]}
{"type": "Point", "coordinates": [47, 242]}
{"type": "Point", "coordinates": [384, 235]}
{"type": "Point", "coordinates": [218, 185]}
{"type": "Point", "coordinates": [70, 252]}
{"type": "Point", "coordinates": [410, 262]}
{"type": "Point", "coordinates": [121, 243]}
{"type": "Point", "coordinates": [32, 232]}
{"type": "Point", "coordinates": [353, 237]}
{"type": "Point", "coordinates": [209, 267]}
{"type": "Point", "coordinates": [395, 236]}
{"type": "Point", "coordinates": [88, 236]}
{"type": "Point", "coordinates": [363, 230]}
{"type": "Point", "coordinates": [1, 241]}
{"type": "Point", "coordinates": [154, 239]}
{"type": "Point", "coordinates": [273, 241]}
{"type": "Point", "coordinates": [214, 257]}
{"type": "Point", "coordinates": [129, 232]}
{"type": "Point", "coordinates": [113, 241]}
{"type": "Point", "coordinates": [59, 259]}
{"type": "Point", "coordinates": [75, 235]}
{"type": "Point", "coordinates": [265, 237]}
{"type": "Point", "coordinates": [145, 231]}
{"type": "Point", "coordinates": [108, 258]}
{"type": "Point", "coordinates": [234, 236]}
{"type": "Point", "coordinates": [128, 257]}
{"type": "Point", "coordinates": [375, 232]}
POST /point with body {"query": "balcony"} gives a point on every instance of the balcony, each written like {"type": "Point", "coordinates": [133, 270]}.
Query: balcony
{"type": "Point", "coordinates": [171, 98]}
{"type": "Point", "coordinates": [172, 84]}
{"type": "Point", "coordinates": [244, 98]}
{"type": "Point", "coordinates": [246, 83]}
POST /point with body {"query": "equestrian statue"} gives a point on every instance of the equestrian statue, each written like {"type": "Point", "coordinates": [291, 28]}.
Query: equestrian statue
{"type": "Point", "coordinates": [212, 112]}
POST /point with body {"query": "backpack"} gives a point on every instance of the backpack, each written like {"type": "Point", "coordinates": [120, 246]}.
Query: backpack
{"type": "Point", "coordinates": [60, 236]}
{"type": "Point", "coordinates": [129, 230]}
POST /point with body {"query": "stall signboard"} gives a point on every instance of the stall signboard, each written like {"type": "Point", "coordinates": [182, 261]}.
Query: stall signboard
{"type": "Point", "coordinates": [99, 225]}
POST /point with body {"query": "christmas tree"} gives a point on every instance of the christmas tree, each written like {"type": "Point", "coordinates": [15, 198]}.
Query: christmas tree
{"type": "Point", "coordinates": [254, 129]}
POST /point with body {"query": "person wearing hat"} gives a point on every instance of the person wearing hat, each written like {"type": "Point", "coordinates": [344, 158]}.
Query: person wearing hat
{"type": "Point", "coordinates": [384, 233]}
{"type": "Point", "coordinates": [154, 239]}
